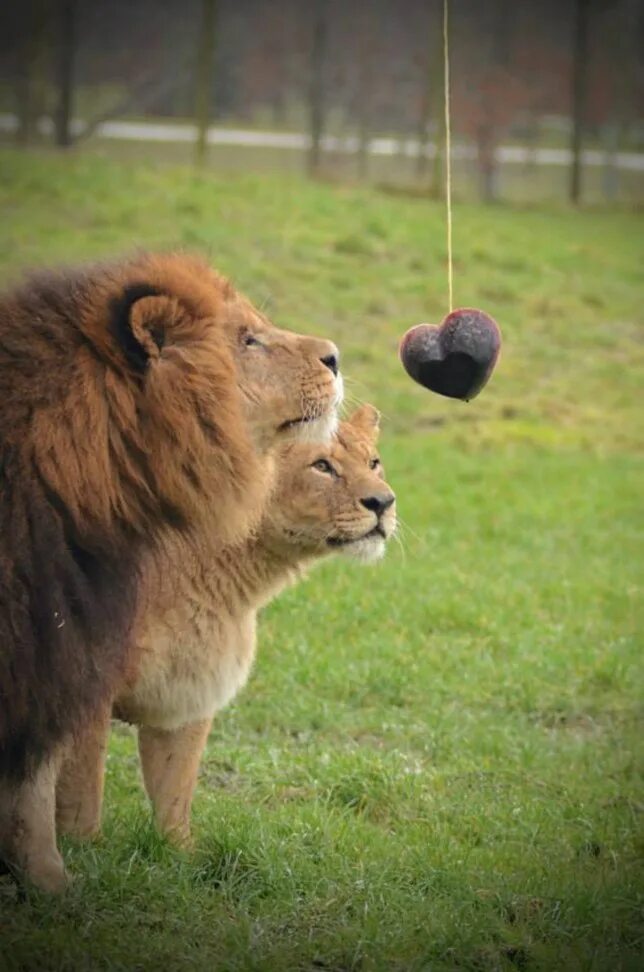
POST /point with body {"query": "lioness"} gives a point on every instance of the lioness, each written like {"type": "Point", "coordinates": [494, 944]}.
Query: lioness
{"type": "Point", "coordinates": [197, 627]}
{"type": "Point", "coordinates": [137, 399]}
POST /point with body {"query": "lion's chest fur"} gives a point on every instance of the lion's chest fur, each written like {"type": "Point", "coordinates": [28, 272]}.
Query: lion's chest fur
{"type": "Point", "coordinates": [197, 639]}
{"type": "Point", "coordinates": [193, 662]}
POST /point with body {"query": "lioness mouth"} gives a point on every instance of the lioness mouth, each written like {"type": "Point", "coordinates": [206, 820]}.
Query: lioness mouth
{"type": "Point", "coordinates": [377, 531]}
{"type": "Point", "coordinates": [291, 423]}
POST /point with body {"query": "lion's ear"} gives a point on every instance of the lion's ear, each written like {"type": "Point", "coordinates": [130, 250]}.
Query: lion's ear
{"type": "Point", "coordinates": [366, 418]}
{"type": "Point", "coordinates": [141, 319]}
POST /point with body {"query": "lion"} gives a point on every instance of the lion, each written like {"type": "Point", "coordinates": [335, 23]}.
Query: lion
{"type": "Point", "coordinates": [139, 399]}
{"type": "Point", "coordinates": [196, 630]}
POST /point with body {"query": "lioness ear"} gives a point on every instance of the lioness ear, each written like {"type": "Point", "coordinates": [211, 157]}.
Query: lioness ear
{"type": "Point", "coordinates": [366, 418]}
{"type": "Point", "coordinates": [141, 318]}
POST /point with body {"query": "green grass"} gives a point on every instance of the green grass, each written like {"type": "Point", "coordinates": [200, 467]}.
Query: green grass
{"type": "Point", "coordinates": [437, 764]}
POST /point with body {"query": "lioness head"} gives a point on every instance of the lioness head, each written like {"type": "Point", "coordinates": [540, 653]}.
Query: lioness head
{"type": "Point", "coordinates": [333, 497]}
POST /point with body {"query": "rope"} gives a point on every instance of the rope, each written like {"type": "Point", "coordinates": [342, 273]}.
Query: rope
{"type": "Point", "coordinates": [448, 157]}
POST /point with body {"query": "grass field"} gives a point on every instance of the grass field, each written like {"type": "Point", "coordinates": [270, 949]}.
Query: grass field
{"type": "Point", "coordinates": [438, 763]}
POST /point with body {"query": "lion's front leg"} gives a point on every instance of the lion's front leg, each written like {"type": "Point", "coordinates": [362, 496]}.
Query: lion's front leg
{"type": "Point", "coordinates": [170, 763]}
{"type": "Point", "coordinates": [28, 828]}
{"type": "Point", "coordinates": [79, 791]}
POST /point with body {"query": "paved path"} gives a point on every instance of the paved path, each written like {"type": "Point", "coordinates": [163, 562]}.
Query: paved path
{"type": "Point", "coordinates": [176, 132]}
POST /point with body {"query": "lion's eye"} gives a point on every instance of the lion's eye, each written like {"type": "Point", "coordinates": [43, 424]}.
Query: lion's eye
{"type": "Point", "coordinates": [374, 463]}
{"type": "Point", "coordinates": [324, 466]}
{"type": "Point", "coordinates": [249, 341]}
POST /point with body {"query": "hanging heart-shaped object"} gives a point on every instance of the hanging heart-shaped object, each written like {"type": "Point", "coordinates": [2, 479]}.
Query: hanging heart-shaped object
{"type": "Point", "coordinates": [456, 358]}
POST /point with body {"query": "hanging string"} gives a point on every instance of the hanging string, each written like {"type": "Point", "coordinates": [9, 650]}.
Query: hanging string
{"type": "Point", "coordinates": [448, 156]}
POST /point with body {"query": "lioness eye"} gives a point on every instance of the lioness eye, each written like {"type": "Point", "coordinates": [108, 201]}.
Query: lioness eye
{"type": "Point", "coordinates": [374, 463]}
{"type": "Point", "coordinates": [322, 465]}
{"type": "Point", "coordinates": [250, 340]}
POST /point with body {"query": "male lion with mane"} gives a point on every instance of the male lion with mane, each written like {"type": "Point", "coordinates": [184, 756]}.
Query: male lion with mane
{"type": "Point", "coordinates": [197, 619]}
{"type": "Point", "coordinates": [138, 399]}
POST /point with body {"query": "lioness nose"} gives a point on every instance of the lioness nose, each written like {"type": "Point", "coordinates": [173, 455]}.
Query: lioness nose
{"type": "Point", "coordinates": [332, 360]}
{"type": "Point", "coordinates": [378, 504]}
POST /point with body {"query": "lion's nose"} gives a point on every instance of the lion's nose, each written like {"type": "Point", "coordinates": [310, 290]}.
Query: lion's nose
{"type": "Point", "coordinates": [332, 361]}
{"type": "Point", "coordinates": [378, 504]}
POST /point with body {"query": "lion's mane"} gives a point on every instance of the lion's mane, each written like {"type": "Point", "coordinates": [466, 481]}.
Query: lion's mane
{"type": "Point", "coordinates": [119, 417]}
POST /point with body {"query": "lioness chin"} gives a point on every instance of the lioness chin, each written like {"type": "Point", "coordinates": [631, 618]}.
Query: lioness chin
{"type": "Point", "coordinates": [197, 624]}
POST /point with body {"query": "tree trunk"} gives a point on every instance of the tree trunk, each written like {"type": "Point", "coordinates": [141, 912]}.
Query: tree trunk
{"type": "Point", "coordinates": [432, 108]}
{"type": "Point", "coordinates": [490, 131]}
{"type": "Point", "coordinates": [364, 141]}
{"type": "Point", "coordinates": [29, 74]}
{"type": "Point", "coordinates": [531, 143]}
{"type": "Point", "coordinates": [317, 86]}
{"type": "Point", "coordinates": [68, 22]}
{"type": "Point", "coordinates": [365, 70]}
{"type": "Point", "coordinates": [488, 169]}
{"type": "Point", "coordinates": [620, 40]}
{"type": "Point", "coordinates": [437, 185]}
{"type": "Point", "coordinates": [205, 64]}
{"type": "Point", "coordinates": [610, 172]}
{"type": "Point", "coordinates": [579, 91]}
{"type": "Point", "coordinates": [25, 88]}
{"type": "Point", "coordinates": [422, 158]}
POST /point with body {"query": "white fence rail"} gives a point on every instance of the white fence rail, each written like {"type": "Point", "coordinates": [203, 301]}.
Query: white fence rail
{"type": "Point", "coordinates": [140, 131]}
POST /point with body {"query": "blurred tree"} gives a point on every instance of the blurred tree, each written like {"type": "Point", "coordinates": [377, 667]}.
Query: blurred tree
{"type": "Point", "coordinates": [265, 76]}
{"type": "Point", "coordinates": [488, 95]}
{"type": "Point", "coordinates": [611, 102]}
{"type": "Point", "coordinates": [579, 93]}
{"type": "Point", "coordinates": [203, 86]}
{"type": "Point", "coordinates": [366, 61]}
{"type": "Point", "coordinates": [497, 105]}
{"type": "Point", "coordinates": [145, 91]}
{"type": "Point", "coordinates": [31, 68]}
{"type": "Point", "coordinates": [68, 32]}
{"type": "Point", "coordinates": [317, 86]}
{"type": "Point", "coordinates": [542, 65]}
{"type": "Point", "coordinates": [331, 66]}
{"type": "Point", "coordinates": [431, 113]}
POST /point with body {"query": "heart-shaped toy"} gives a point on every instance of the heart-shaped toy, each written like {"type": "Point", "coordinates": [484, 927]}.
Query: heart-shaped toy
{"type": "Point", "coordinates": [456, 358]}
